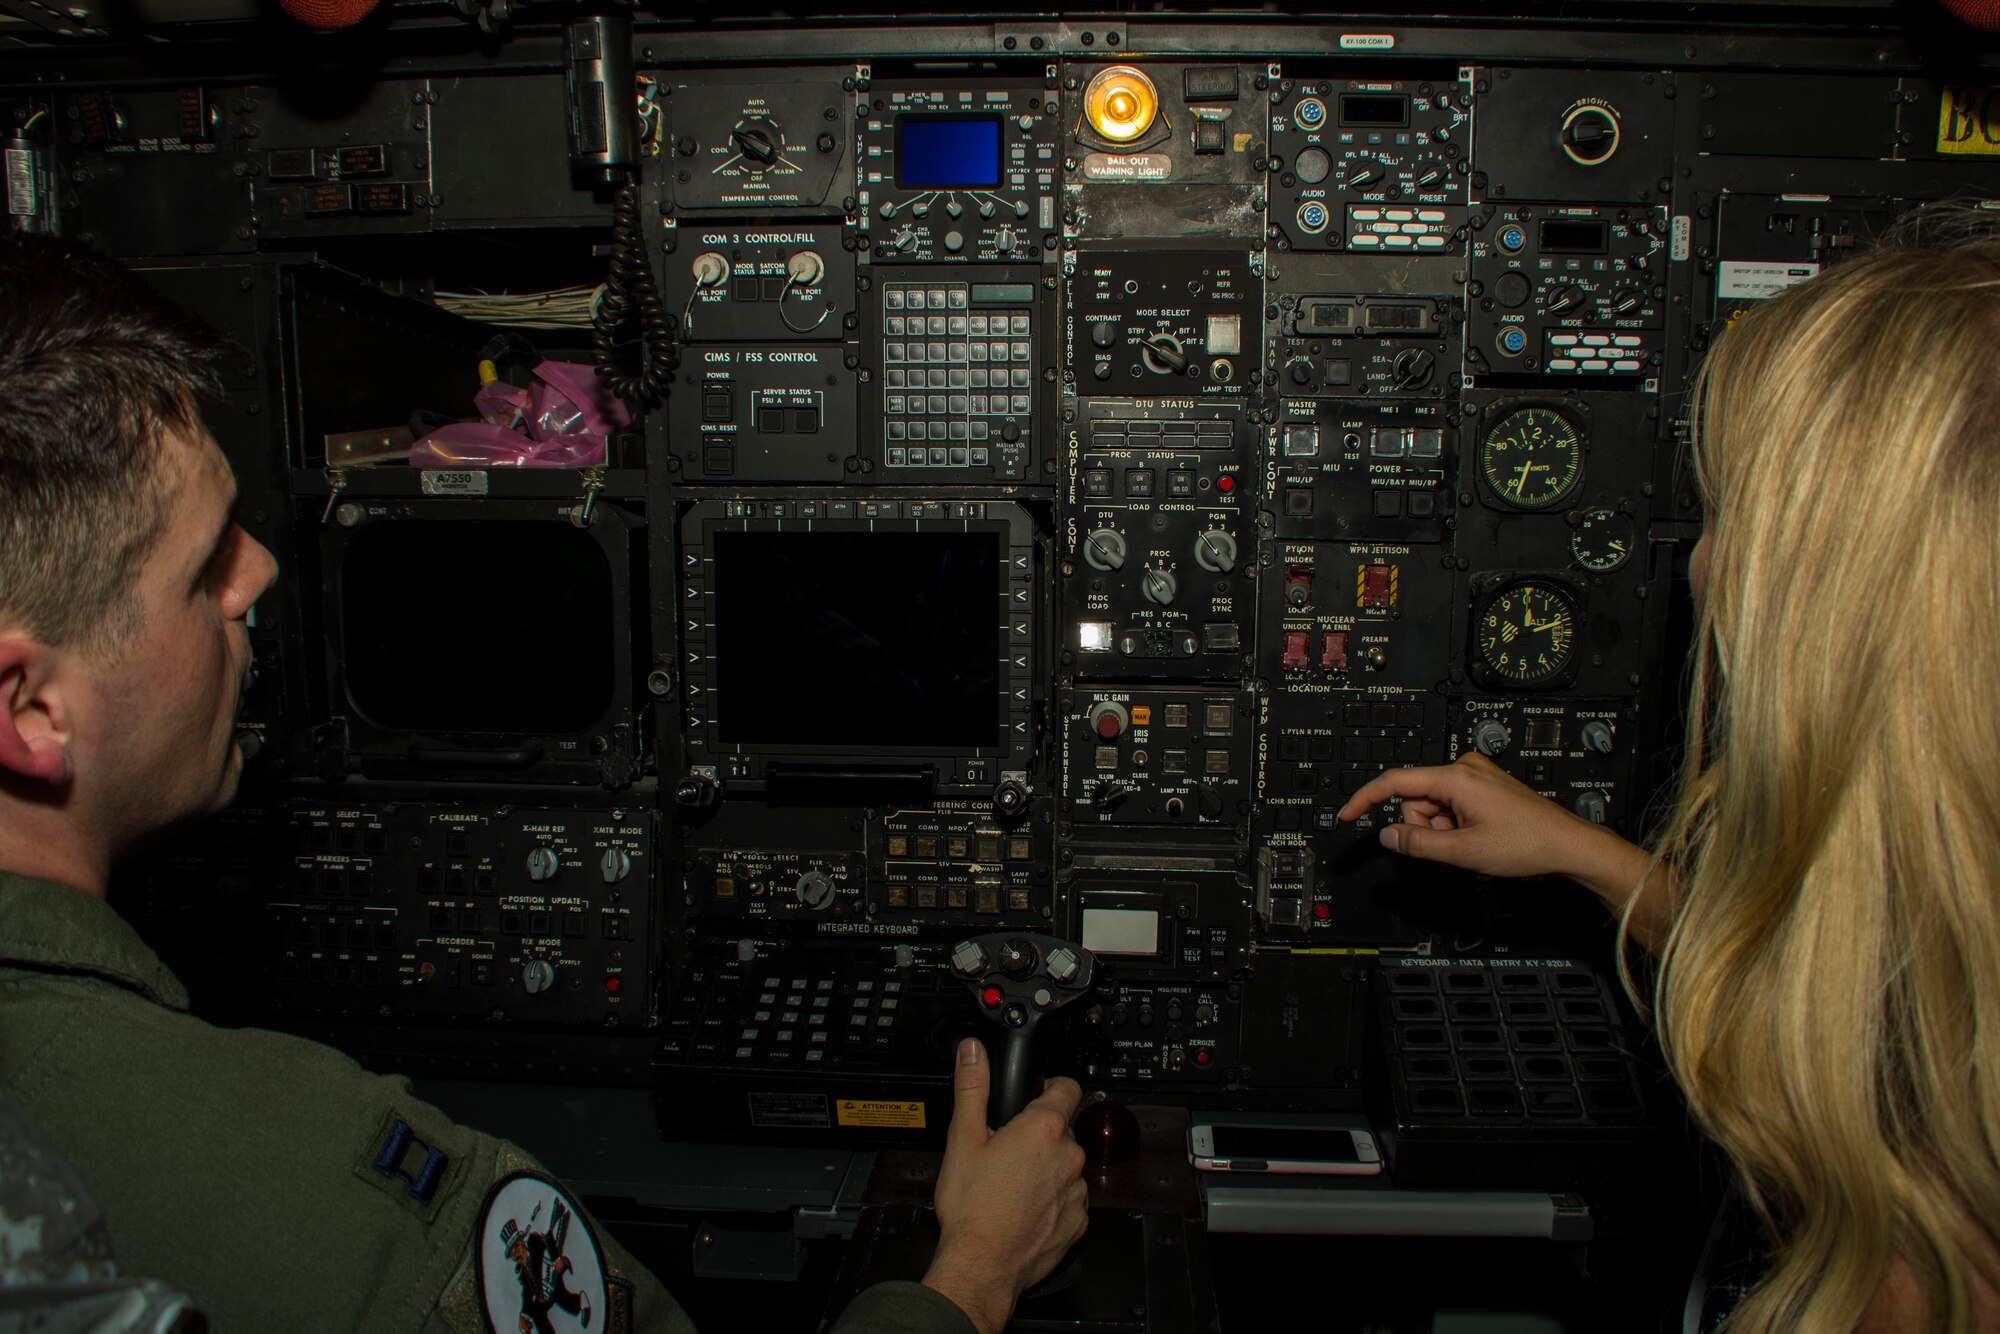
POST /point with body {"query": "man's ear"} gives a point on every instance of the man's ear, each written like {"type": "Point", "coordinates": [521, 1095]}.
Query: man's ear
{"type": "Point", "coordinates": [35, 732]}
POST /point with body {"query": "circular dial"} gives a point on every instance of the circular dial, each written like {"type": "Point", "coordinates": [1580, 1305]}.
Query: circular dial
{"type": "Point", "coordinates": [1526, 634]}
{"type": "Point", "coordinates": [1602, 541]}
{"type": "Point", "coordinates": [1533, 459]}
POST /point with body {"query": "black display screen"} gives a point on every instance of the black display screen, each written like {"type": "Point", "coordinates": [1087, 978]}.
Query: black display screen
{"type": "Point", "coordinates": [948, 152]}
{"type": "Point", "coordinates": [1287, 1144]}
{"type": "Point", "coordinates": [503, 626]}
{"type": "Point", "coordinates": [859, 640]}
{"type": "Point", "coordinates": [1574, 238]}
{"type": "Point", "coordinates": [1374, 109]}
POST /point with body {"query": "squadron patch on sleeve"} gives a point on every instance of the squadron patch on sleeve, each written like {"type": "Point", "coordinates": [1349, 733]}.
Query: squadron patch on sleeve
{"type": "Point", "coordinates": [537, 1263]}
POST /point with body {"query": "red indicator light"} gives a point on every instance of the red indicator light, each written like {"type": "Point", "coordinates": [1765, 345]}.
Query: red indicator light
{"type": "Point", "coordinates": [612, 984]}
{"type": "Point", "coordinates": [1225, 483]}
{"type": "Point", "coordinates": [990, 997]}
{"type": "Point", "coordinates": [1321, 911]}
{"type": "Point", "coordinates": [1201, 1058]}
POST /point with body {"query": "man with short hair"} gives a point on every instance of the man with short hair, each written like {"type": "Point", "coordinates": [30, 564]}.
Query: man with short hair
{"type": "Point", "coordinates": [273, 1180]}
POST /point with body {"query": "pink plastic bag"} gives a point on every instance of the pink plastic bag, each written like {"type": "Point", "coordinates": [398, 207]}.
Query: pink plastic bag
{"type": "Point", "coordinates": [562, 420]}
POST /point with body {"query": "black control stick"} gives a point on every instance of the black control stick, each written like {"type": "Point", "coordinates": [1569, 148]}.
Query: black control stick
{"type": "Point", "coordinates": [1019, 982]}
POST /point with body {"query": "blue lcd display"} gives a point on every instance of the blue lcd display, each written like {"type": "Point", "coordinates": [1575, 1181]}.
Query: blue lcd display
{"type": "Point", "coordinates": [955, 152]}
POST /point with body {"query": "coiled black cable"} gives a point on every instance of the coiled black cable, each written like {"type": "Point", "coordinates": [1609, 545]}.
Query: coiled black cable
{"type": "Point", "coordinates": [631, 324]}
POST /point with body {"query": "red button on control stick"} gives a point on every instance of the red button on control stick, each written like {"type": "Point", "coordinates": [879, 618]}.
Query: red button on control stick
{"type": "Point", "coordinates": [990, 997]}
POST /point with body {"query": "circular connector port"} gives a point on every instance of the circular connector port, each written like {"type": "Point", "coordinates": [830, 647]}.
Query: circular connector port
{"type": "Point", "coordinates": [1312, 217]}
{"type": "Point", "coordinates": [1309, 114]}
{"type": "Point", "coordinates": [1513, 340]}
{"type": "Point", "coordinates": [1511, 238]}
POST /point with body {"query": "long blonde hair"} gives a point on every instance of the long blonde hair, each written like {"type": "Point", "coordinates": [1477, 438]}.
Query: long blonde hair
{"type": "Point", "coordinates": [1829, 996]}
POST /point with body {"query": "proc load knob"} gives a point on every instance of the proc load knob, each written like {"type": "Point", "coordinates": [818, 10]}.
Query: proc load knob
{"type": "Point", "coordinates": [542, 864]}
{"type": "Point", "coordinates": [538, 975]}
{"type": "Point", "coordinates": [1215, 551]}
{"type": "Point", "coordinates": [1490, 736]}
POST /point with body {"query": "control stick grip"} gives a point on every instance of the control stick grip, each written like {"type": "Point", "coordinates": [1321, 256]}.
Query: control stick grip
{"type": "Point", "coordinates": [1014, 1082]}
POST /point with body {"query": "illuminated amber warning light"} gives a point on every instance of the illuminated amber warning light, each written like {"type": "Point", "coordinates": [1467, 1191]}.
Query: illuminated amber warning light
{"type": "Point", "coordinates": [1120, 103]}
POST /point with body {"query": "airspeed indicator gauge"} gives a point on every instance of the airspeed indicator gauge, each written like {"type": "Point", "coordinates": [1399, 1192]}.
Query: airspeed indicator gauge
{"type": "Point", "coordinates": [1602, 541]}
{"type": "Point", "coordinates": [1533, 459]}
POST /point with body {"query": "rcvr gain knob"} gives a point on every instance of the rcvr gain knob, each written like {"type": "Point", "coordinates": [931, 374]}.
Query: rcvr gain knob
{"type": "Point", "coordinates": [1104, 549]}
{"type": "Point", "coordinates": [1490, 736]}
{"type": "Point", "coordinates": [1215, 551]}
{"type": "Point", "coordinates": [1597, 736]}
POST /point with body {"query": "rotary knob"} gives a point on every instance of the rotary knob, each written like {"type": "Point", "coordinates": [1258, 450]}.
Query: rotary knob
{"type": "Point", "coordinates": [1565, 298]}
{"type": "Point", "coordinates": [1104, 549]}
{"type": "Point", "coordinates": [814, 890]}
{"type": "Point", "coordinates": [614, 865]}
{"type": "Point", "coordinates": [1597, 736]}
{"type": "Point", "coordinates": [1159, 586]}
{"type": "Point", "coordinates": [1590, 135]}
{"type": "Point", "coordinates": [1109, 719]}
{"type": "Point", "coordinates": [542, 864]}
{"type": "Point", "coordinates": [1593, 806]}
{"type": "Point", "coordinates": [1103, 333]}
{"type": "Point", "coordinates": [1490, 736]}
{"type": "Point", "coordinates": [1215, 551]}
{"type": "Point", "coordinates": [538, 975]}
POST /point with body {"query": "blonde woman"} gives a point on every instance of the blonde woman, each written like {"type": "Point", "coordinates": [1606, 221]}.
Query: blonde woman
{"type": "Point", "coordinates": [1825, 899]}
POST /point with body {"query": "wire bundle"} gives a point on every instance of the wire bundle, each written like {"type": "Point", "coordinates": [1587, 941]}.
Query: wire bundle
{"type": "Point", "coordinates": [563, 308]}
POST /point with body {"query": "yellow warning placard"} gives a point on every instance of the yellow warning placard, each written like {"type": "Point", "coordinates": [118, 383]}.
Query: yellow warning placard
{"type": "Point", "coordinates": [1969, 120]}
{"type": "Point", "coordinates": [879, 1115]}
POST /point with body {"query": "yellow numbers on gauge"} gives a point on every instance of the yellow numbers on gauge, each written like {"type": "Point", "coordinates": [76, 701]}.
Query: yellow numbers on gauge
{"type": "Point", "coordinates": [1526, 634]}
